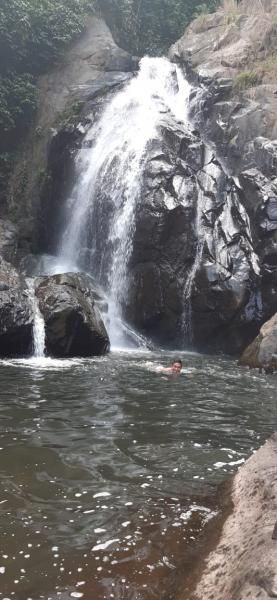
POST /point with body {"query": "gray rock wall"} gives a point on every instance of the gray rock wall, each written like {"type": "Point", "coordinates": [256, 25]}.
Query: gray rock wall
{"type": "Point", "coordinates": [243, 565]}
{"type": "Point", "coordinates": [204, 263]}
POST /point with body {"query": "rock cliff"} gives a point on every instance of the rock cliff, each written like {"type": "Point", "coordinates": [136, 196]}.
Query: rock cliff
{"type": "Point", "coordinates": [262, 352]}
{"type": "Point", "coordinates": [203, 265]}
{"type": "Point", "coordinates": [90, 68]}
{"type": "Point", "coordinates": [243, 565]}
{"type": "Point", "coordinates": [231, 58]}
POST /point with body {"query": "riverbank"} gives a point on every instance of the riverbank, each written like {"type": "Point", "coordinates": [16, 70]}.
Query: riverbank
{"type": "Point", "coordinates": [239, 560]}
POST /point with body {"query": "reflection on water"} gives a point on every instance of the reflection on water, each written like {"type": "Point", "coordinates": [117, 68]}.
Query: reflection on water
{"type": "Point", "coordinates": [108, 468]}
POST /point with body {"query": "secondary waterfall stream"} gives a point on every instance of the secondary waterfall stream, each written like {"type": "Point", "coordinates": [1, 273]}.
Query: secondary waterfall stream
{"type": "Point", "coordinates": [101, 210]}
{"type": "Point", "coordinates": [211, 173]}
{"type": "Point", "coordinates": [38, 323]}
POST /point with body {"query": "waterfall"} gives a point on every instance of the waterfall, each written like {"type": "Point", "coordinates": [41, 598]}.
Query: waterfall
{"type": "Point", "coordinates": [38, 322]}
{"type": "Point", "coordinates": [100, 214]}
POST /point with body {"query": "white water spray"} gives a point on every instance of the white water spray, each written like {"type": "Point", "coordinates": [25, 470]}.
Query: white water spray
{"type": "Point", "coordinates": [110, 168]}
{"type": "Point", "coordinates": [38, 323]}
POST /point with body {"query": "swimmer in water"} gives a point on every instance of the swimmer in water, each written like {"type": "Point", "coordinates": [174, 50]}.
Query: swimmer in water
{"type": "Point", "coordinates": [175, 368]}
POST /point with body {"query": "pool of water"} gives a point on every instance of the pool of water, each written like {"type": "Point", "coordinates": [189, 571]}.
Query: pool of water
{"type": "Point", "coordinates": [109, 468]}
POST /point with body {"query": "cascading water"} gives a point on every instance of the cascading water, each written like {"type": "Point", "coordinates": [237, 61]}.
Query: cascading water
{"type": "Point", "coordinates": [210, 174]}
{"type": "Point", "coordinates": [38, 323]}
{"type": "Point", "coordinates": [101, 211]}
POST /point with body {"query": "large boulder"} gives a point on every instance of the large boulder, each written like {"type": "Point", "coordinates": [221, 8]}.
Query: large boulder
{"type": "Point", "coordinates": [262, 352]}
{"type": "Point", "coordinates": [73, 324]}
{"type": "Point", "coordinates": [16, 319]}
{"type": "Point", "coordinates": [242, 565]}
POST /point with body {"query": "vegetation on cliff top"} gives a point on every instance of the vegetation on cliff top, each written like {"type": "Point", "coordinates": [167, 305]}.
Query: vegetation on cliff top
{"type": "Point", "coordinates": [33, 33]}
{"type": "Point", "coordinates": [150, 26]}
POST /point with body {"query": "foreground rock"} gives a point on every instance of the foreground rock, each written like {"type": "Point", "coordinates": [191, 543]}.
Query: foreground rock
{"type": "Point", "coordinates": [73, 323]}
{"type": "Point", "coordinates": [244, 564]}
{"type": "Point", "coordinates": [16, 318]}
{"type": "Point", "coordinates": [262, 352]}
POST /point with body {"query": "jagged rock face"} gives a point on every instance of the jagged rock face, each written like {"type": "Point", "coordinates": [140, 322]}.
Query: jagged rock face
{"type": "Point", "coordinates": [237, 568]}
{"type": "Point", "coordinates": [216, 49]}
{"type": "Point", "coordinates": [193, 273]}
{"type": "Point", "coordinates": [73, 324]}
{"type": "Point", "coordinates": [262, 352]}
{"type": "Point", "coordinates": [8, 240]}
{"type": "Point", "coordinates": [190, 226]}
{"type": "Point", "coordinates": [204, 263]}
{"type": "Point", "coordinates": [242, 128]}
{"type": "Point", "coordinates": [16, 317]}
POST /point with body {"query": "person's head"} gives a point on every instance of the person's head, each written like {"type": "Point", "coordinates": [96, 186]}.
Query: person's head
{"type": "Point", "coordinates": [177, 366]}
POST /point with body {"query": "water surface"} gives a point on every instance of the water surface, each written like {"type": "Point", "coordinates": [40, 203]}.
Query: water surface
{"type": "Point", "coordinates": [109, 468]}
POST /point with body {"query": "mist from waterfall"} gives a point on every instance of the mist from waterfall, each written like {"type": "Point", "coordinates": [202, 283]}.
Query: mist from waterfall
{"type": "Point", "coordinates": [100, 214]}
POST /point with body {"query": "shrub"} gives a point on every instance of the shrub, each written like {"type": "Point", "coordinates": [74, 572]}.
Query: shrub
{"type": "Point", "coordinates": [245, 80]}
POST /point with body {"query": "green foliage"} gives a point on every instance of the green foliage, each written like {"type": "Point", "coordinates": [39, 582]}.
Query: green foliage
{"type": "Point", "coordinates": [33, 34]}
{"type": "Point", "coordinates": [205, 8]}
{"type": "Point", "coordinates": [17, 100]}
{"type": "Point", "coordinates": [245, 80]}
{"type": "Point", "coordinates": [150, 26]}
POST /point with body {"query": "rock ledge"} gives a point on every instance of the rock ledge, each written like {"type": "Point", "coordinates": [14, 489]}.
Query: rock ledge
{"type": "Point", "coordinates": [244, 564]}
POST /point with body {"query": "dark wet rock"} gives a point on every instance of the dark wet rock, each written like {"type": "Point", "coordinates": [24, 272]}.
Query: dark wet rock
{"type": "Point", "coordinates": [8, 240]}
{"type": "Point", "coordinates": [16, 317]}
{"type": "Point", "coordinates": [242, 128]}
{"type": "Point", "coordinates": [102, 85]}
{"type": "Point", "coordinates": [274, 533]}
{"type": "Point", "coordinates": [186, 195]}
{"type": "Point", "coordinates": [223, 305]}
{"type": "Point", "coordinates": [262, 352]}
{"type": "Point", "coordinates": [73, 323]}
{"type": "Point", "coordinates": [203, 269]}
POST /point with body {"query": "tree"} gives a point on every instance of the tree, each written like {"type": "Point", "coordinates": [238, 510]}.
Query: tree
{"type": "Point", "coordinates": [32, 35]}
{"type": "Point", "coordinates": [150, 26]}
